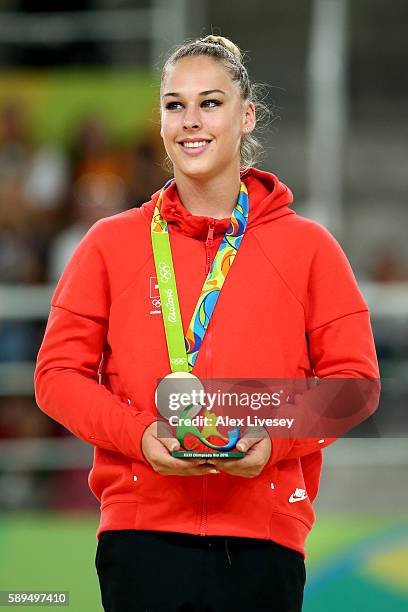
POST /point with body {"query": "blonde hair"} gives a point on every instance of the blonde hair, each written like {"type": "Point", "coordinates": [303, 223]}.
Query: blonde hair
{"type": "Point", "coordinates": [225, 42]}
{"type": "Point", "coordinates": [229, 55]}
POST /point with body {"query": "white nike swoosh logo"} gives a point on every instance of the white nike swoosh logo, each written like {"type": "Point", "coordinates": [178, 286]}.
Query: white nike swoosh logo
{"type": "Point", "coordinates": [296, 499]}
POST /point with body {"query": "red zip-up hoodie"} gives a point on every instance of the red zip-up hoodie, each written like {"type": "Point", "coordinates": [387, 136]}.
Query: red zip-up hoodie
{"type": "Point", "coordinates": [290, 308]}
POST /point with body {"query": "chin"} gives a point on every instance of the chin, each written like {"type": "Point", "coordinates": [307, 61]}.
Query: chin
{"type": "Point", "coordinates": [206, 169]}
{"type": "Point", "coordinates": [198, 170]}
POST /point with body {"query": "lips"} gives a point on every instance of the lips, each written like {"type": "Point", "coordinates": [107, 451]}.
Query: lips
{"type": "Point", "coordinates": [194, 147]}
{"type": "Point", "coordinates": [192, 144]}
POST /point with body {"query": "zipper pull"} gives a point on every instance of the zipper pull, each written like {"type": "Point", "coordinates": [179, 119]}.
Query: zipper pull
{"type": "Point", "coordinates": [210, 235]}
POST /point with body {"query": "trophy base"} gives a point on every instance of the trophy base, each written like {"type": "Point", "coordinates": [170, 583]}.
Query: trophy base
{"type": "Point", "coordinates": [207, 455]}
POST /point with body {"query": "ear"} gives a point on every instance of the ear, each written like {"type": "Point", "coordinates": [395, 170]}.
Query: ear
{"type": "Point", "coordinates": [249, 118]}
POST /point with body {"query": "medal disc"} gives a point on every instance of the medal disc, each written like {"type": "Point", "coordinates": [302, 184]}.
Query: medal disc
{"type": "Point", "coordinates": [176, 392]}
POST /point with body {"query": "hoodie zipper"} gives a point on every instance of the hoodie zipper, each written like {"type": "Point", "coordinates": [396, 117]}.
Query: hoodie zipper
{"type": "Point", "coordinates": [209, 247]}
{"type": "Point", "coordinates": [209, 244]}
{"type": "Point", "coordinates": [208, 252]}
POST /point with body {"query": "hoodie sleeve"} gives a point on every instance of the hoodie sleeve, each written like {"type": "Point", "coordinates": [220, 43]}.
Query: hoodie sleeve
{"type": "Point", "coordinates": [67, 369]}
{"type": "Point", "coordinates": [341, 346]}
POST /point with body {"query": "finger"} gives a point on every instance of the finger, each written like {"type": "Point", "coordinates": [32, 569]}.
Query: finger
{"type": "Point", "coordinates": [245, 443]}
{"type": "Point", "coordinates": [160, 452]}
{"type": "Point", "coordinates": [188, 469]}
{"type": "Point", "coordinates": [212, 460]}
{"type": "Point", "coordinates": [250, 465]}
{"type": "Point", "coordinates": [166, 436]}
{"type": "Point", "coordinates": [237, 468]}
{"type": "Point", "coordinates": [251, 436]}
{"type": "Point", "coordinates": [200, 470]}
{"type": "Point", "coordinates": [163, 462]}
{"type": "Point", "coordinates": [171, 444]}
{"type": "Point", "coordinates": [220, 463]}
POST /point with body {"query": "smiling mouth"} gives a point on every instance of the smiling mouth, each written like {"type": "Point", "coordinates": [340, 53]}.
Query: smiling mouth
{"type": "Point", "coordinates": [194, 148]}
{"type": "Point", "coordinates": [199, 144]}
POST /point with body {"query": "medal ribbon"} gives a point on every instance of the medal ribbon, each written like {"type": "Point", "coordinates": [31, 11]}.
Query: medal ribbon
{"type": "Point", "coordinates": [182, 350]}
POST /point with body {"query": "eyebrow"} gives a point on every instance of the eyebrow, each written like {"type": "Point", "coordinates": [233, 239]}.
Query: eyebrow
{"type": "Point", "coordinates": [202, 93]}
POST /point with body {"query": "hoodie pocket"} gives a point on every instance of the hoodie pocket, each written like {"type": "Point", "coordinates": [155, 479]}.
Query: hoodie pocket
{"type": "Point", "coordinates": [110, 475]}
{"type": "Point", "coordinates": [291, 493]}
{"type": "Point", "coordinates": [149, 487]}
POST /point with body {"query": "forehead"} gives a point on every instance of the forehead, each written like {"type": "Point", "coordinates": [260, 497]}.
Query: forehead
{"type": "Point", "coordinates": [195, 74]}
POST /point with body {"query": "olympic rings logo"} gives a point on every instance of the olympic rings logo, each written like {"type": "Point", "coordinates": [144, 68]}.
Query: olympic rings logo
{"type": "Point", "coordinates": [164, 272]}
{"type": "Point", "coordinates": [179, 360]}
{"type": "Point", "coordinates": [156, 303]}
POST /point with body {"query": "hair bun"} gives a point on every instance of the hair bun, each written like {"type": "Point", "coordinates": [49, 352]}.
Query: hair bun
{"type": "Point", "coordinates": [224, 42]}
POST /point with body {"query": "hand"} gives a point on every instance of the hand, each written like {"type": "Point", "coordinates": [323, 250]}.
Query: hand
{"type": "Point", "coordinates": [258, 451]}
{"type": "Point", "coordinates": [157, 452]}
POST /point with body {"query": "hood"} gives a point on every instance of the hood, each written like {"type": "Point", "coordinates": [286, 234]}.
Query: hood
{"type": "Point", "coordinates": [269, 199]}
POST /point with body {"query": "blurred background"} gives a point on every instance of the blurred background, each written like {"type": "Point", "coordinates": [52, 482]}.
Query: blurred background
{"type": "Point", "coordinates": [79, 140]}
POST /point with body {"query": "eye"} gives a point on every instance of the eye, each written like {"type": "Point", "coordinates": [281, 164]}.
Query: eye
{"type": "Point", "coordinates": [211, 103]}
{"type": "Point", "coordinates": [173, 105]}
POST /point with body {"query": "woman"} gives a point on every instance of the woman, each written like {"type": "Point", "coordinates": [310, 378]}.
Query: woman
{"type": "Point", "coordinates": [198, 534]}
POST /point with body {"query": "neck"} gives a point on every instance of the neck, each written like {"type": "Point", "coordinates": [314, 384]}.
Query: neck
{"type": "Point", "coordinates": [215, 197]}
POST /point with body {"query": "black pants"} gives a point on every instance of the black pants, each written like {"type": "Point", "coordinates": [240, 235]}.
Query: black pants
{"type": "Point", "coordinates": [156, 571]}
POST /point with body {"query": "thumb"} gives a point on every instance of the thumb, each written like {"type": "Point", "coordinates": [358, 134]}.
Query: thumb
{"type": "Point", "coordinates": [245, 443]}
{"type": "Point", "coordinates": [255, 435]}
{"type": "Point", "coordinates": [166, 436]}
{"type": "Point", "coordinates": [172, 444]}
{"type": "Point", "coordinates": [251, 436]}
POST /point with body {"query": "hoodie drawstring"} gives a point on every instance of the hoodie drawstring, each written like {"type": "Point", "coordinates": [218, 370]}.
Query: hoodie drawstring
{"type": "Point", "coordinates": [227, 551]}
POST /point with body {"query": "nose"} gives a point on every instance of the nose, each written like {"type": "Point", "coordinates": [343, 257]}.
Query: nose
{"type": "Point", "coordinates": [191, 119]}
